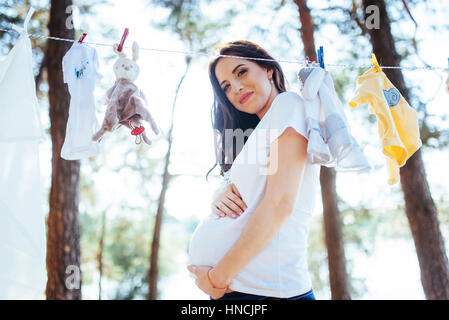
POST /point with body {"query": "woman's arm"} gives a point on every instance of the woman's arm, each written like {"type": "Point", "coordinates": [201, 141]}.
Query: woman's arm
{"type": "Point", "coordinates": [289, 154]}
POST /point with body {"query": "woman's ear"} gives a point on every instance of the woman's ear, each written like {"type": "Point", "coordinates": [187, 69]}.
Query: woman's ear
{"type": "Point", "coordinates": [270, 74]}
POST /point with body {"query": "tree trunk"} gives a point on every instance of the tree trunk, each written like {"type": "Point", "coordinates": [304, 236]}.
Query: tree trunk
{"type": "Point", "coordinates": [419, 205]}
{"type": "Point", "coordinates": [100, 252]}
{"type": "Point", "coordinates": [63, 246]}
{"type": "Point", "coordinates": [154, 265]}
{"type": "Point", "coordinates": [333, 231]}
{"type": "Point", "coordinates": [331, 216]}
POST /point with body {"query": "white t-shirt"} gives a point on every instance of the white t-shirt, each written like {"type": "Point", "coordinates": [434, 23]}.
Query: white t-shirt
{"type": "Point", "coordinates": [79, 66]}
{"type": "Point", "coordinates": [280, 269]}
{"type": "Point", "coordinates": [22, 216]}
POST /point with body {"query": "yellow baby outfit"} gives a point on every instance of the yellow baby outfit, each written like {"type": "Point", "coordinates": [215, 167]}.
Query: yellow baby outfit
{"type": "Point", "coordinates": [397, 121]}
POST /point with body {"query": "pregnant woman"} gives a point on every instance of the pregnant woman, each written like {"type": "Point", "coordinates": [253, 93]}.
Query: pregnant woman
{"type": "Point", "coordinates": [261, 253]}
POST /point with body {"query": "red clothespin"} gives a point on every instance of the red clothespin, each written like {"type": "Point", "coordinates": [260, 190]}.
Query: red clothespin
{"type": "Point", "coordinates": [307, 61]}
{"type": "Point", "coordinates": [82, 38]}
{"type": "Point", "coordinates": [125, 34]}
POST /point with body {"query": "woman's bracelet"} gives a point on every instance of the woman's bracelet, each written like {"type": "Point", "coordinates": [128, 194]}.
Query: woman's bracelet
{"type": "Point", "coordinates": [226, 178]}
{"type": "Point", "coordinates": [210, 281]}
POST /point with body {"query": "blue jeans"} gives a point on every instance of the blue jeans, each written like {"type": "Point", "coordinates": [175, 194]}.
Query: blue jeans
{"type": "Point", "coordinates": [235, 295]}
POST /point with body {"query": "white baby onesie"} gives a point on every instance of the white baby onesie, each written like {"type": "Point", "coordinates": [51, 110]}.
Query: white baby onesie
{"type": "Point", "coordinates": [79, 67]}
{"type": "Point", "coordinates": [335, 147]}
{"type": "Point", "coordinates": [317, 150]}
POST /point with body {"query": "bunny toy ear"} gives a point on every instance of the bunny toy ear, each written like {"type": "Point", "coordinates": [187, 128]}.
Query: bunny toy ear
{"type": "Point", "coordinates": [135, 51]}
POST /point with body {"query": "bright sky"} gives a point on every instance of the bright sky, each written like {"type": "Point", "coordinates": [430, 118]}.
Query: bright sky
{"type": "Point", "coordinates": [193, 144]}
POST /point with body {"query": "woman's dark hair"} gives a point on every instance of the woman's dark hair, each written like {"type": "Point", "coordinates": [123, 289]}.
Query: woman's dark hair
{"type": "Point", "coordinates": [224, 115]}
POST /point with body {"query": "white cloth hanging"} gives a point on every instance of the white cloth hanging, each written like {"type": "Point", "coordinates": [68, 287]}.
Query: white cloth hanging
{"type": "Point", "coordinates": [22, 219]}
{"type": "Point", "coordinates": [79, 66]}
{"type": "Point", "coordinates": [330, 142]}
{"type": "Point", "coordinates": [317, 150]}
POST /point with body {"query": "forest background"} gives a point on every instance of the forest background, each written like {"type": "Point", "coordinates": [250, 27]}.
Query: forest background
{"type": "Point", "coordinates": [137, 206]}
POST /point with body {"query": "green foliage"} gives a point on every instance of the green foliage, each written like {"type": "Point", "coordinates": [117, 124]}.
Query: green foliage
{"type": "Point", "coordinates": [318, 263]}
{"type": "Point", "coordinates": [186, 19]}
{"type": "Point", "coordinates": [363, 228]}
{"type": "Point", "coordinates": [349, 19]}
{"type": "Point", "coordinates": [317, 259]}
{"type": "Point", "coordinates": [125, 253]}
{"type": "Point", "coordinates": [127, 249]}
{"type": "Point", "coordinates": [14, 12]}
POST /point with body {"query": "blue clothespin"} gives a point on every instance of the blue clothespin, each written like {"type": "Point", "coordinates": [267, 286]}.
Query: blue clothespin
{"type": "Point", "coordinates": [320, 54]}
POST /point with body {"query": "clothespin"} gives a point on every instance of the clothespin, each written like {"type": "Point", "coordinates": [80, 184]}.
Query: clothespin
{"type": "Point", "coordinates": [320, 54]}
{"type": "Point", "coordinates": [375, 63]}
{"type": "Point", "coordinates": [125, 34]}
{"type": "Point", "coordinates": [82, 38]}
{"type": "Point", "coordinates": [306, 61]}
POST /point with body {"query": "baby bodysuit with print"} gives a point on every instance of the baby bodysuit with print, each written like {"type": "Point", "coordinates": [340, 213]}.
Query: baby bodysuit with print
{"type": "Point", "coordinates": [397, 121]}
{"type": "Point", "coordinates": [80, 66]}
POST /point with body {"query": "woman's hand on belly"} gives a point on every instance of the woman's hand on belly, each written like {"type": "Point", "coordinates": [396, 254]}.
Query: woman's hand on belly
{"type": "Point", "coordinates": [204, 282]}
{"type": "Point", "coordinates": [227, 201]}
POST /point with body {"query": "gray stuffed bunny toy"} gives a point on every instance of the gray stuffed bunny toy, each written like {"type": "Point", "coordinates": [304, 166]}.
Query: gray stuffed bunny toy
{"type": "Point", "coordinates": [126, 103]}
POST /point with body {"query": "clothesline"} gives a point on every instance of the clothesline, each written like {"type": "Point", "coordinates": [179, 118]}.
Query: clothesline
{"type": "Point", "coordinates": [303, 62]}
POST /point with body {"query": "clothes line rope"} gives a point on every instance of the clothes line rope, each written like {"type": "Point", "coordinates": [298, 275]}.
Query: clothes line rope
{"type": "Point", "coordinates": [303, 62]}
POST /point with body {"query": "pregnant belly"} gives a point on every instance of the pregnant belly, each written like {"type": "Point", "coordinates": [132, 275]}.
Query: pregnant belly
{"type": "Point", "coordinates": [213, 237]}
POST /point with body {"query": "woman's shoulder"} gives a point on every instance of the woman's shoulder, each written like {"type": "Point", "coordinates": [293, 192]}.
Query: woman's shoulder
{"type": "Point", "coordinates": [287, 104]}
{"type": "Point", "coordinates": [287, 111]}
{"type": "Point", "coordinates": [287, 97]}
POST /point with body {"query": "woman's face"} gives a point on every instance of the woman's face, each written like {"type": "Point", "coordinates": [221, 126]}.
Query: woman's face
{"type": "Point", "coordinates": [247, 85]}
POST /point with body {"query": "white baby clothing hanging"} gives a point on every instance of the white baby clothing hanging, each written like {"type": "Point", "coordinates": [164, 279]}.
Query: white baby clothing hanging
{"type": "Point", "coordinates": [80, 65]}
{"type": "Point", "coordinates": [330, 142]}
{"type": "Point", "coordinates": [317, 150]}
{"type": "Point", "coordinates": [22, 219]}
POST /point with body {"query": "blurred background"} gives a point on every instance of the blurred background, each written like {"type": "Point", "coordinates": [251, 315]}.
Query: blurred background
{"type": "Point", "coordinates": [133, 207]}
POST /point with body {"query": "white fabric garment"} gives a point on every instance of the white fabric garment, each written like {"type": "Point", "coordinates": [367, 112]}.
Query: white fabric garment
{"type": "Point", "coordinates": [334, 134]}
{"type": "Point", "coordinates": [22, 220]}
{"type": "Point", "coordinates": [79, 67]}
{"type": "Point", "coordinates": [317, 150]}
{"type": "Point", "coordinates": [280, 269]}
